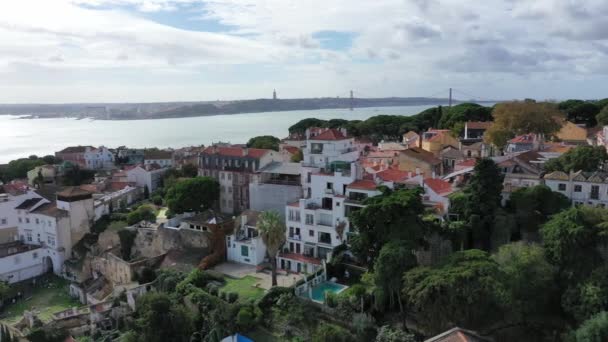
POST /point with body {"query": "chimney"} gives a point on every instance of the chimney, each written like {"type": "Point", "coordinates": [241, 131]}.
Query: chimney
{"type": "Point", "coordinates": [243, 220]}
{"type": "Point", "coordinates": [433, 175]}
{"type": "Point", "coordinates": [245, 151]}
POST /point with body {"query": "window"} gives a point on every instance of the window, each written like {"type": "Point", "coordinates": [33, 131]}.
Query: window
{"type": "Point", "coordinates": [244, 251]}
{"type": "Point", "coordinates": [294, 215]}
{"type": "Point", "coordinates": [310, 219]}
{"type": "Point", "coordinates": [3, 221]}
{"type": "Point", "coordinates": [222, 175]}
{"type": "Point", "coordinates": [330, 185]}
{"type": "Point", "coordinates": [578, 188]}
{"type": "Point", "coordinates": [28, 234]}
{"type": "Point", "coordinates": [50, 223]}
{"type": "Point", "coordinates": [229, 189]}
{"type": "Point", "coordinates": [27, 220]}
{"type": "Point", "coordinates": [191, 226]}
{"type": "Point", "coordinates": [37, 221]}
{"type": "Point", "coordinates": [595, 192]}
{"type": "Point", "coordinates": [51, 240]}
{"type": "Point", "coordinates": [311, 232]}
{"type": "Point", "coordinates": [35, 255]}
{"type": "Point", "coordinates": [561, 187]}
{"type": "Point", "coordinates": [20, 220]}
{"type": "Point", "coordinates": [325, 238]}
{"type": "Point", "coordinates": [229, 176]}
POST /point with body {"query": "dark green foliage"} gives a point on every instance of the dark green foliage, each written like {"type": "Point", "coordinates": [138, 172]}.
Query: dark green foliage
{"type": "Point", "coordinates": [585, 158]}
{"type": "Point", "coordinates": [465, 291]}
{"type": "Point", "coordinates": [602, 117]}
{"type": "Point", "coordinates": [157, 200]}
{"type": "Point", "coordinates": [388, 217]}
{"type": "Point", "coordinates": [388, 334]}
{"type": "Point", "coordinates": [302, 125]}
{"type": "Point", "coordinates": [331, 333]}
{"type": "Point", "coordinates": [147, 275]}
{"type": "Point", "coordinates": [143, 213]}
{"type": "Point", "coordinates": [464, 112]}
{"type": "Point", "coordinates": [189, 170]}
{"type": "Point", "coordinates": [167, 279]}
{"type": "Point", "coordinates": [585, 298]}
{"type": "Point", "coordinates": [395, 258]}
{"type": "Point", "coordinates": [232, 297]}
{"type": "Point", "coordinates": [297, 157]}
{"type": "Point", "coordinates": [595, 329]}
{"type": "Point", "coordinates": [47, 335]}
{"type": "Point", "coordinates": [159, 319]}
{"type": "Point", "coordinates": [248, 318]}
{"type": "Point", "coordinates": [19, 168]}
{"type": "Point", "coordinates": [127, 238]}
{"type": "Point", "coordinates": [265, 142]}
{"type": "Point", "coordinates": [74, 176]}
{"type": "Point", "coordinates": [580, 112]}
{"type": "Point", "coordinates": [532, 206]}
{"type": "Point", "coordinates": [194, 194]}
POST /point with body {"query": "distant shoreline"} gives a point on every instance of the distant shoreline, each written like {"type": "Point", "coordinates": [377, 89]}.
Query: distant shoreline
{"type": "Point", "coordinates": [169, 110]}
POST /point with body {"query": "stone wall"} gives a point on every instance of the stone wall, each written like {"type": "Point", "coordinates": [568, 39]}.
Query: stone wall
{"type": "Point", "coordinates": [152, 242]}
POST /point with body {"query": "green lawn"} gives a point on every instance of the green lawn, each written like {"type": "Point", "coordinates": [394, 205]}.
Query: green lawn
{"type": "Point", "coordinates": [245, 287]}
{"type": "Point", "coordinates": [117, 225]}
{"type": "Point", "coordinates": [48, 299]}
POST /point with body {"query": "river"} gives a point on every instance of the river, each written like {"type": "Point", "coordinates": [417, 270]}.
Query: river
{"type": "Point", "coordinates": [23, 137]}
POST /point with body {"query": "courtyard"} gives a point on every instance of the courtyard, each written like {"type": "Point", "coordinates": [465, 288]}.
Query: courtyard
{"type": "Point", "coordinates": [261, 279]}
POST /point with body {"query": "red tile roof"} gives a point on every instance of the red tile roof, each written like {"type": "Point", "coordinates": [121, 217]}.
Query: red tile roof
{"type": "Point", "coordinates": [438, 133]}
{"type": "Point", "coordinates": [330, 134]}
{"type": "Point", "coordinates": [236, 151]}
{"type": "Point", "coordinates": [392, 175]}
{"type": "Point", "coordinates": [423, 155]}
{"type": "Point", "coordinates": [467, 162]}
{"type": "Point", "coordinates": [291, 149]}
{"type": "Point", "coordinates": [116, 186]}
{"type": "Point", "coordinates": [363, 184]}
{"type": "Point", "coordinates": [439, 186]}
{"type": "Point", "coordinates": [300, 257]}
{"type": "Point", "coordinates": [479, 124]}
{"type": "Point", "coordinates": [521, 139]}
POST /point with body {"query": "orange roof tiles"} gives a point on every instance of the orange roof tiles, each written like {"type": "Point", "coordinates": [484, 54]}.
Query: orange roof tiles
{"type": "Point", "coordinates": [330, 134]}
{"type": "Point", "coordinates": [392, 175]}
{"type": "Point", "coordinates": [301, 258]}
{"type": "Point", "coordinates": [236, 151]}
{"type": "Point", "coordinates": [363, 184]}
{"type": "Point", "coordinates": [467, 163]}
{"type": "Point", "coordinates": [479, 124]}
{"type": "Point", "coordinates": [522, 139]}
{"type": "Point", "coordinates": [438, 186]}
{"type": "Point", "coordinates": [291, 149]}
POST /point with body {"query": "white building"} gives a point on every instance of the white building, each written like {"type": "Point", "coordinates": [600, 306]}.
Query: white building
{"type": "Point", "coordinates": [160, 157]}
{"type": "Point", "coordinates": [149, 175]}
{"type": "Point", "coordinates": [274, 186]}
{"type": "Point", "coordinates": [318, 223]}
{"type": "Point", "coordinates": [245, 245]}
{"type": "Point", "coordinates": [582, 188]}
{"type": "Point", "coordinates": [98, 158]}
{"type": "Point", "coordinates": [103, 204]}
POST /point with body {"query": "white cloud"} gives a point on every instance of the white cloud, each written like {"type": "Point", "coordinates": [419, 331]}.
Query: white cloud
{"type": "Point", "coordinates": [399, 47]}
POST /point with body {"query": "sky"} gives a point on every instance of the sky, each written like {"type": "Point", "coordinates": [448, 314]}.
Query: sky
{"type": "Point", "coordinates": [59, 51]}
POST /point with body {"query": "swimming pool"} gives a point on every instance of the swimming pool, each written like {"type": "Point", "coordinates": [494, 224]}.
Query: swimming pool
{"type": "Point", "coordinates": [318, 291]}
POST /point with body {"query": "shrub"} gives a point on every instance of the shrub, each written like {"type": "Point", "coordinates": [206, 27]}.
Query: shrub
{"type": "Point", "coordinates": [232, 297]}
{"type": "Point", "coordinates": [118, 217]}
{"type": "Point", "coordinates": [223, 295]}
{"type": "Point", "coordinates": [331, 299]}
{"type": "Point", "coordinates": [246, 319]}
{"type": "Point", "coordinates": [147, 275]}
{"type": "Point", "coordinates": [212, 289]}
{"type": "Point", "coordinates": [156, 199]}
{"type": "Point", "coordinates": [215, 275]}
{"type": "Point", "coordinates": [272, 296]}
{"type": "Point", "coordinates": [331, 333]}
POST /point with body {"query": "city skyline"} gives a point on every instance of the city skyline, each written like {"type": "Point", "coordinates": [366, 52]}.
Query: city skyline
{"type": "Point", "coordinates": [190, 50]}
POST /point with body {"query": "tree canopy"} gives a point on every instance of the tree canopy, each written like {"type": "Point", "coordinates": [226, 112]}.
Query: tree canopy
{"type": "Point", "coordinates": [602, 117]}
{"type": "Point", "coordinates": [523, 117]}
{"type": "Point", "coordinates": [159, 319]}
{"type": "Point", "coordinates": [395, 258]}
{"type": "Point", "coordinates": [580, 112]}
{"type": "Point", "coordinates": [195, 194]}
{"type": "Point", "coordinates": [272, 230]}
{"type": "Point", "coordinates": [594, 329]}
{"type": "Point", "coordinates": [455, 117]}
{"type": "Point", "coordinates": [532, 206]}
{"type": "Point", "coordinates": [585, 158]}
{"type": "Point", "coordinates": [265, 142]}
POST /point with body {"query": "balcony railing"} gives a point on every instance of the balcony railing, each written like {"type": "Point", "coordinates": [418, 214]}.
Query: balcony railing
{"type": "Point", "coordinates": [296, 237]}
{"type": "Point", "coordinates": [281, 182]}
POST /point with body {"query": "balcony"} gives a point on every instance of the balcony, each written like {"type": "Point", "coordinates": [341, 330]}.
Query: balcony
{"type": "Point", "coordinates": [281, 182]}
{"type": "Point", "coordinates": [295, 237]}
{"type": "Point", "coordinates": [325, 238]}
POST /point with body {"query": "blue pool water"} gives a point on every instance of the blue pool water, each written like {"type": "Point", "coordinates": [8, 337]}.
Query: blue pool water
{"type": "Point", "coordinates": [318, 292]}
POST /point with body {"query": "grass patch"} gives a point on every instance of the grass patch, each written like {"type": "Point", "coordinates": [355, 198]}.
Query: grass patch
{"type": "Point", "coordinates": [117, 225]}
{"type": "Point", "coordinates": [245, 287]}
{"type": "Point", "coordinates": [47, 299]}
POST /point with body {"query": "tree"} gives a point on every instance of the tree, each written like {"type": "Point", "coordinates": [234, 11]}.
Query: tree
{"type": "Point", "coordinates": [395, 258]}
{"type": "Point", "coordinates": [4, 291]}
{"type": "Point", "coordinates": [583, 299]}
{"type": "Point", "coordinates": [146, 192]}
{"type": "Point", "coordinates": [331, 333]}
{"type": "Point", "coordinates": [602, 117]}
{"type": "Point", "coordinates": [528, 279]}
{"type": "Point", "coordinates": [143, 213]}
{"type": "Point", "coordinates": [585, 158]}
{"type": "Point", "coordinates": [464, 112]}
{"type": "Point", "coordinates": [571, 239]}
{"type": "Point", "coordinates": [127, 238]}
{"type": "Point", "coordinates": [297, 157]}
{"type": "Point", "coordinates": [580, 112]}
{"type": "Point", "coordinates": [595, 329]}
{"type": "Point", "coordinates": [159, 319]}
{"type": "Point", "coordinates": [264, 141]}
{"type": "Point", "coordinates": [194, 194]}
{"type": "Point", "coordinates": [515, 118]}
{"type": "Point", "coordinates": [388, 334]}
{"type": "Point", "coordinates": [189, 170]}
{"type": "Point", "coordinates": [483, 197]}
{"type": "Point", "coordinates": [75, 176]}
{"type": "Point", "coordinates": [464, 291]}
{"type": "Point", "coordinates": [394, 215]}
{"type": "Point", "coordinates": [47, 335]}
{"type": "Point", "coordinates": [304, 124]}
{"type": "Point", "coordinates": [272, 231]}
{"type": "Point", "coordinates": [532, 206]}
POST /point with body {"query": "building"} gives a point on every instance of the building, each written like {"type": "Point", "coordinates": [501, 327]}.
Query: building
{"type": "Point", "coordinates": [420, 161]}
{"type": "Point", "coordinates": [274, 186]}
{"type": "Point", "coordinates": [233, 167]}
{"type": "Point", "coordinates": [159, 157]}
{"type": "Point", "coordinates": [87, 157]}
{"type": "Point", "coordinates": [411, 139]}
{"type": "Point", "coordinates": [450, 156]}
{"type": "Point", "coordinates": [474, 131]}
{"type": "Point", "coordinates": [149, 176]}
{"type": "Point", "coordinates": [458, 335]}
{"type": "Point", "coordinates": [436, 192]}
{"type": "Point", "coordinates": [582, 188]}
{"type": "Point", "coordinates": [245, 245]}
{"type": "Point", "coordinates": [105, 203]}
{"type": "Point", "coordinates": [523, 143]}
{"type": "Point", "coordinates": [435, 140]}
{"type": "Point", "coordinates": [40, 175]}
{"type": "Point", "coordinates": [521, 171]}
{"type": "Point", "coordinates": [317, 223]}
{"type": "Point", "coordinates": [129, 156]}
{"type": "Point", "coordinates": [572, 134]}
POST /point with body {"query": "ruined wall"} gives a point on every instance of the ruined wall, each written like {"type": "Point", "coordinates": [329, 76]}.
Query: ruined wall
{"type": "Point", "coordinates": [152, 242]}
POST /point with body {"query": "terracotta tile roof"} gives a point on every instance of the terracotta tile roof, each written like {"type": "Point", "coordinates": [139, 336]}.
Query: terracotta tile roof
{"type": "Point", "coordinates": [89, 187]}
{"type": "Point", "coordinates": [458, 335]}
{"type": "Point", "coordinates": [330, 134]}
{"type": "Point", "coordinates": [383, 154]}
{"type": "Point", "coordinates": [411, 135]}
{"type": "Point", "coordinates": [300, 258]}
{"type": "Point", "coordinates": [363, 184]}
{"type": "Point", "coordinates": [392, 175]}
{"type": "Point", "coordinates": [556, 147]}
{"type": "Point", "coordinates": [467, 163]}
{"type": "Point", "coordinates": [236, 151]}
{"type": "Point", "coordinates": [50, 209]}
{"type": "Point", "coordinates": [479, 124]}
{"type": "Point", "coordinates": [14, 188]}
{"type": "Point", "coordinates": [422, 155]}
{"type": "Point", "coordinates": [439, 186]}
{"type": "Point", "coordinates": [73, 191]}
{"type": "Point", "coordinates": [291, 149]}
{"type": "Point", "coordinates": [116, 186]}
{"type": "Point", "coordinates": [523, 139]}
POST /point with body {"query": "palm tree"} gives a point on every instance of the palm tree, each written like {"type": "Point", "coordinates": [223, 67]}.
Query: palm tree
{"type": "Point", "coordinates": [272, 231]}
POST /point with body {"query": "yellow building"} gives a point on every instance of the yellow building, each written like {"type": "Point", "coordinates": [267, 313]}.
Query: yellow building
{"type": "Point", "coordinates": [418, 161]}
{"type": "Point", "coordinates": [435, 140]}
{"type": "Point", "coordinates": [572, 134]}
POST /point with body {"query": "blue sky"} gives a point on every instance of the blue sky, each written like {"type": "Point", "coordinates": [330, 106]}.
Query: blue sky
{"type": "Point", "coordinates": [179, 50]}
